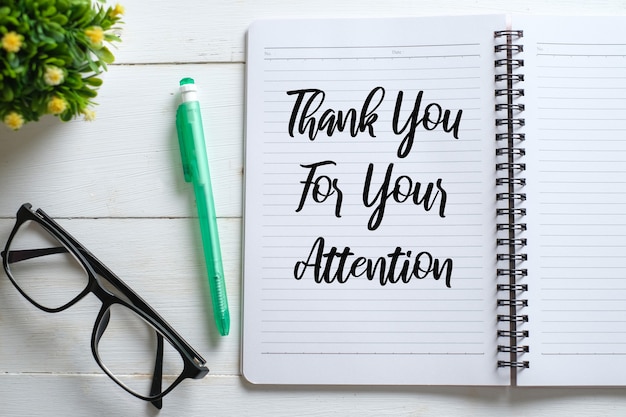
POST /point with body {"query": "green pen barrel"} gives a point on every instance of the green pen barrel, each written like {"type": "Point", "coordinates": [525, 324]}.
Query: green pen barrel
{"type": "Point", "coordinates": [196, 169]}
{"type": "Point", "coordinates": [213, 256]}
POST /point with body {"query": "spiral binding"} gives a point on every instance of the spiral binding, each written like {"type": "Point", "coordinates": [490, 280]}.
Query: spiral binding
{"type": "Point", "coordinates": [509, 196]}
{"type": "Point", "coordinates": [508, 333]}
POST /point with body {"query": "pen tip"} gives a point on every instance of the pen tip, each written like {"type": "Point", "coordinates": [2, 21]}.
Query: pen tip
{"type": "Point", "coordinates": [225, 328]}
{"type": "Point", "coordinates": [187, 80]}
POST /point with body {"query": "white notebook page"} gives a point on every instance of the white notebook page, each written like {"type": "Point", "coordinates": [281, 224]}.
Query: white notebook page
{"type": "Point", "coordinates": [576, 138]}
{"type": "Point", "coordinates": [304, 200]}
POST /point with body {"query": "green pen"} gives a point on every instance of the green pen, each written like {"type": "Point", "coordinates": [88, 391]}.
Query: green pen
{"type": "Point", "coordinates": [196, 170]}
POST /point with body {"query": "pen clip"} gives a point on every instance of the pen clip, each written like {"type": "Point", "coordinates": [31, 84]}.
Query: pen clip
{"type": "Point", "coordinates": [182, 143]}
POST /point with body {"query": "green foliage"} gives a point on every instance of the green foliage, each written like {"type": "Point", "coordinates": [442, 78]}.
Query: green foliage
{"type": "Point", "coordinates": [51, 54]}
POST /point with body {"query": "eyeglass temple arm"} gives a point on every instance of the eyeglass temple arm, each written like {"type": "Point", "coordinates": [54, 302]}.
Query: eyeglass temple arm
{"type": "Point", "coordinates": [25, 254]}
{"type": "Point", "coordinates": [157, 376]}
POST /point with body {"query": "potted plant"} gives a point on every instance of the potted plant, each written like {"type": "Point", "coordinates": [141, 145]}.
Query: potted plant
{"type": "Point", "coordinates": [51, 55]}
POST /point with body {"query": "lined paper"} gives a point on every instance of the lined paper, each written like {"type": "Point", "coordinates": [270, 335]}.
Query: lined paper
{"type": "Point", "coordinates": [426, 313]}
{"type": "Point", "coordinates": [577, 151]}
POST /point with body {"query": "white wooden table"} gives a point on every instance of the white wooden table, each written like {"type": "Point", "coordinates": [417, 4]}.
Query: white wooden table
{"type": "Point", "coordinates": [116, 184]}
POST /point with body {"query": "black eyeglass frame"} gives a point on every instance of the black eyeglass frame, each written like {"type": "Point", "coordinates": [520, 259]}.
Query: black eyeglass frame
{"type": "Point", "coordinates": [194, 364]}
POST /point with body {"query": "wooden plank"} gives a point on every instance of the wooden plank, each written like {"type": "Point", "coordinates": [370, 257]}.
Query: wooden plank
{"type": "Point", "coordinates": [85, 395]}
{"type": "Point", "coordinates": [127, 162]}
{"type": "Point", "coordinates": [214, 31]}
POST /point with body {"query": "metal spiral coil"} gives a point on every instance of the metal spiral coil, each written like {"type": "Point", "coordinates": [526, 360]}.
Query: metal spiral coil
{"type": "Point", "coordinates": [510, 194]}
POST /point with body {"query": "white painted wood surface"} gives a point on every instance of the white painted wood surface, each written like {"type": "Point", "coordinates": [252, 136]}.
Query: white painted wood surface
{"type": "Point", "coordinates": [116, 184]}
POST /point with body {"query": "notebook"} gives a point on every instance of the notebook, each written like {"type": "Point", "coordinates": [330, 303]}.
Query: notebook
{"type": "Point", "coordinates": [435, 200]}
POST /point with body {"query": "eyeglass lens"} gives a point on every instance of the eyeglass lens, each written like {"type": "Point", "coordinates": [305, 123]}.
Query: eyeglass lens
{"type": "Point", "coordinates": [43, 268]}
{"type": "Point", "coordinates": [133, 352]}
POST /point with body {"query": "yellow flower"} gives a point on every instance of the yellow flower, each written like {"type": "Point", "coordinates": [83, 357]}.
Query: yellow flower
{"type": "Point", "coordinates": [57, 105]}
{"type": "Point", "coordinates": [117, 10]}
{"type": "Point", "coordinates": [53, 75]}
{"type": "Point", "coordinates": [14, 120]}
{"type": "Point", "coordinates": [12, 41]}
{"type": "Point", "coordinates": [95, 34]}
{"type": "Point", "coordinates": [90, 115]}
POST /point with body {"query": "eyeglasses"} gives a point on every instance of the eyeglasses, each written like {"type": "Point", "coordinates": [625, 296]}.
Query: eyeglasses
{"type": "Point", "coordinates": [130, 340]}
